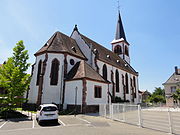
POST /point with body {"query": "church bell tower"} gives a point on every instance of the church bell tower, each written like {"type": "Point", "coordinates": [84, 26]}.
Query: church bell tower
{"type": "Point", "coordinates": [120, 46]}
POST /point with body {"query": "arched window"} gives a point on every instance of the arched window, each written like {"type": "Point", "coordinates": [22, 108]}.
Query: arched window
{"type": "Point", "coordinates": [54, 72]}
{"type": "Point", "coordinates": [127, 84]}
{"type": "Point", "coordinates": [39, 72]}
{"type": "Point", "coordinates": [134, 83]}
{"type": "Point", "coordinates": [118, 50]}
{"type": "Point", "coordinates": [104, 72]}
{"type": "Point", "coordinates": [126, 51]}
{"type": "Point", "coordinates": [117, 81]}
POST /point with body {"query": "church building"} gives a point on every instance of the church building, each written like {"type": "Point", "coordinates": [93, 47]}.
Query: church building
{"type": "Point", "coordinates": [74, 69]}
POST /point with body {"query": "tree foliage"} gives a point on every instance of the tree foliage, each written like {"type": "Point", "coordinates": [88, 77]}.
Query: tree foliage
{"type": "Point", "coordinates": [13, 77]}
{"type": "Point", "coordinates": [176, 95]}
{"type": "Point", "coordinates": [20, 57]}
{"type": "Point", "coordinates": [158, 95]}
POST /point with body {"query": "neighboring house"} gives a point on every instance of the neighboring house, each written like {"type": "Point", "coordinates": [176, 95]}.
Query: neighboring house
{"type": "Point", "coordinates": [76, 69]}
{"type": "Point", "coordinates": [140, 96]}
{"type": "Point", "coordinates": [171, 85]}
{"type": "Point", "coordinates": [145, 95]}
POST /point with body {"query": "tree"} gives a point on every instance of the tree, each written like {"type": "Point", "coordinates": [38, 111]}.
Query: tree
{"type": "Point", "coordinates": [158, 95]}
{"type": "Point", "coordinates": [13, 76]}
{"type": "Point", "coordinates": [159, 91]}
{"type": "Point", "coordinates": [176, 96]}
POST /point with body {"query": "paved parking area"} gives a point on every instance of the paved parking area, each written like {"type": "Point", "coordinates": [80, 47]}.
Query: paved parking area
{"type": "Point", "coordinates": [24, 124]}
{"type": "Point", "coordinates": [68, 125]}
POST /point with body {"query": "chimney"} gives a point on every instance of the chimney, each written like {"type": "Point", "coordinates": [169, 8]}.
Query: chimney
{"type": "Point", "coordinates": [176, 70]}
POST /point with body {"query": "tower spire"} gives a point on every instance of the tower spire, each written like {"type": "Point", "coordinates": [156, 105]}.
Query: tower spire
{"type": "Point", "coordinates": [120, 46]}
{"type": "Point", "coordinates": [119, 28]}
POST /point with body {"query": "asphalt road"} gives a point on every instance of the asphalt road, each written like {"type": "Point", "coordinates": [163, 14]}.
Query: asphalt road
{"type": "Point", "coordinates": [70, 125]}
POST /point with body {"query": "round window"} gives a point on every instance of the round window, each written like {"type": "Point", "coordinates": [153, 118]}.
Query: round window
{"type": "Point", "coordinates": [71, 61]}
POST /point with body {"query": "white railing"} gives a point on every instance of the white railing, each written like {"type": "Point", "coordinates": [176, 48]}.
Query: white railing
{"type": "Point", "coordinates": [166, 119]}
{"type": "Point", "coordinates": [120, 112]}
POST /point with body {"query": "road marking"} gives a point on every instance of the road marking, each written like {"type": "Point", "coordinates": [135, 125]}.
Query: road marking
{"type": "Point", "coordinates": [61, 122]}
{"type": "Point", "coordinates": [71, 125]}
{"type": "Point", "coordinates": [22, 129]}
{"type": "Point", "coordinates": [3, 124]}
{"type": "Point", "coordinates": [84, 120]}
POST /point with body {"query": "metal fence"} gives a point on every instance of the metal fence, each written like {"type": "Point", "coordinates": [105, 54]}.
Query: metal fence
{"type": "Point", "coordinates": [162, 119]}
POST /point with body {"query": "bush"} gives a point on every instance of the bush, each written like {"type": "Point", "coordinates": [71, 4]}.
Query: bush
{"type": "Point", "coordinates": [119, 100]}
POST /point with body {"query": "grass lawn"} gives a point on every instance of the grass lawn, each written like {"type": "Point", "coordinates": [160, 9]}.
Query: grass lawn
{"type": "Point", "coordinates": [20, 109]}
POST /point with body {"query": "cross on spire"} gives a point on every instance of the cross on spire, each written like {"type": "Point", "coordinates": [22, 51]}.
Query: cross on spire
{"type": "Point", "coordinates": [118, 5]}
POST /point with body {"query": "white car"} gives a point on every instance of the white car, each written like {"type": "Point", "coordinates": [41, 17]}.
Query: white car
{"type": "Point", "coordinates": [47, 112]}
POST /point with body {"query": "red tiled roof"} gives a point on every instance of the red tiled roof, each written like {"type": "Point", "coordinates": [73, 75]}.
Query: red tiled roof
{"type": "Point", "coordinates": [113, 58]}
{"type": "Point", "coordinates": [83, 70]}
{"type": "Point", "coordinates": [61, 43]}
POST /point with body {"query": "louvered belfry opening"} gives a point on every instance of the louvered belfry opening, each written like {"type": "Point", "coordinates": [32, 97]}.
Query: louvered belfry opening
{"type": "Point", "coordinates": [126, 51]}
{"type": "Point", "coordinates": [118, 50]}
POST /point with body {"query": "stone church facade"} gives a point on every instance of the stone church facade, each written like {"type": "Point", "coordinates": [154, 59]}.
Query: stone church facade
{"type": "Point", "coordinates": [74, 69]}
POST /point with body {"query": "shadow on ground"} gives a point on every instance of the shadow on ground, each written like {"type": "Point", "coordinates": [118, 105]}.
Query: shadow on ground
{"type": "Point", "coordinates": [12, 114]}
{"type": "Point", "coordinates": [19, 119]}
{"type": "Point", "coordinates": [49, 123]}
{"type": "Point", "coordinates": [93, 114]}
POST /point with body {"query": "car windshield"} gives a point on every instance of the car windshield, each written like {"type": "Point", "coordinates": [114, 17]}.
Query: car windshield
{"type": "Point", "coordinates": [49, 108]}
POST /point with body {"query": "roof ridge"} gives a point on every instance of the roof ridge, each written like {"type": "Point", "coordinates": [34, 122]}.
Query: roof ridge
{"type": "Point", "coordinates": [55, 34]}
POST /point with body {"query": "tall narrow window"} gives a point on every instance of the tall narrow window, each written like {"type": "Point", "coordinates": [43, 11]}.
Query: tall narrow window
{"type": "Point", "coordinates": [39, 72]}
{"type": "Point", "coordinates": [97, 91]}
{"type": "Point", "coordinates": [105, 71]}
{"type": "Point", "coordinates": [126, 51]}
{"type": "Point", "coordinates": [54, 72]}
{"type": "Point", "coordinates": [132, 89]}
{"type": "Point", "coordinates": [127, 84]}
{"type": "Point", "coordinates": [124, 88]}
{"type": "Point", "coordinates": [117, 81]}
{"type": "Point", "coordinates": [134, 83]}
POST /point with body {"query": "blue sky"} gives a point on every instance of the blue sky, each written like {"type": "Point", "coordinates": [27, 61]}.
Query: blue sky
{"type": "Point", "coordinates": [152, 28]}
